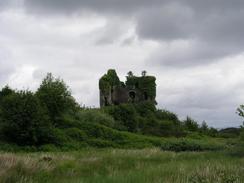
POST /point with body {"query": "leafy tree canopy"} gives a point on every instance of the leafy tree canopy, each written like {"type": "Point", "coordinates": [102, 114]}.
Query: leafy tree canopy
{"type": "Point", "coordinates": [55, 95]}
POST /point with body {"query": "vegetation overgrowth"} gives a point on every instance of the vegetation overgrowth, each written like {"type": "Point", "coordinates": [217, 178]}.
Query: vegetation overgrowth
{"type": "Point", "coordinates": [51, 120]}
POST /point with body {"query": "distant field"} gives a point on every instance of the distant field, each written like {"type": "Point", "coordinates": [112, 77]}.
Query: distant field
{"type": "Point", "coordinates": [115, 165]}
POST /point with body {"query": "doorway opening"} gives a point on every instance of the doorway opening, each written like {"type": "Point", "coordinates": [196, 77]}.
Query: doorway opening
{"type": "Point", "coordinates": [132, 96]}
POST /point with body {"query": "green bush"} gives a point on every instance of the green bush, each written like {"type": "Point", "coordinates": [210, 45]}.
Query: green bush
{"type": "Point", "coordinates": [237, 150]}
{"type": "Point", "coordinates": [24, 121]}
{"type": "Point", "coordinates": [48, 148]}
{"type": "Point", "coordinates": [182, 146]}
{"type": "Point", "coordinates": [95, 116]}
{"type": "Point", "coordinates": [100, 143]}
{"type": "Point", "coordinates": [242, 135]}
{"type": "Point", "coordinates": [166, 115]}
{"type": "Point", "coordinates": [145, 109]}
{"type": "Point", "coordinates": [75, 134]}
{"type": "Point", "coordinates": [59, 137]}
{"type": "Point", "coordinates": [125, 115]}
{"type": "Point", "coordinates": [167, 128]}
{"type": "Point", "coordinates": [189, 145]}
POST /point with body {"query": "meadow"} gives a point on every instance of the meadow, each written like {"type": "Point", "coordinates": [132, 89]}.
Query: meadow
{"type": "Point", "coordinates": [121, 165]}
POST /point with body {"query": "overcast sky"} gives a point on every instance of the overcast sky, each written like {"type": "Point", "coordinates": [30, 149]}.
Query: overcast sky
{"type": "Point", "coordinates": [195, 48]}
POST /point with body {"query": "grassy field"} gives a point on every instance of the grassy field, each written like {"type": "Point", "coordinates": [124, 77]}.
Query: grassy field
{"type": "Point", "coordinates": [116, 165]}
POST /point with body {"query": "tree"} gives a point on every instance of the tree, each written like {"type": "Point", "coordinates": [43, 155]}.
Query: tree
{"type": "Point", "coordinates": [204, 127]}
{"type": "Point", "coordinates": [240, 110]}
{"type": "Point", "coordinates": [130, 74]}
{"type": "Point", "coordinates": [24, 120]}
{"type": "Point", "coordinates": [55, 95]}
{"type": "Point", "coordinates": [144, 73]}
{"type": "Point", "coordinates": [191, 124]}
{"type": "Point", "coordinates": [5, 92]}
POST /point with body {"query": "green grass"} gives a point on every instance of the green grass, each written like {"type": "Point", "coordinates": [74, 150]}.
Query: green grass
{"type": "Point", "coordinates": [116, 165]}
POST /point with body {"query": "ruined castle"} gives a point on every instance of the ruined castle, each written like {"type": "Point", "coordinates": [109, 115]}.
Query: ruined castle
{"type": "Point", "coordinates": [134, 90]}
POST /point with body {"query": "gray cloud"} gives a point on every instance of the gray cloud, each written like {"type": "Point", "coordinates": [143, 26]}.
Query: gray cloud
{"type": "Point", "coordinates": [165, 22]}
{"type": "Point", "coordinates": [6, 67]}
{"type": "Point", "coordinates": [112, 31]}
{"type": "Point", "coordinates": [10, 4]}
{"type": "Point", "coordinates": [211, 93]}
{"type": "Point", "coordinates": [3, 5]}
{"type": "Point", "coordinates": [188, 53]}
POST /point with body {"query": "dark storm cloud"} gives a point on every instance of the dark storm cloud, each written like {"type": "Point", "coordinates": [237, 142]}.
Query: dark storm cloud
{"type": "Point", "coordinates": [123, 7]}
{"type": "Point", "coordinates": [99, 6]}
{"type": "Point", "coordinates": [215, 26]}
{"type": "Point", "coordinates": [214, 31]}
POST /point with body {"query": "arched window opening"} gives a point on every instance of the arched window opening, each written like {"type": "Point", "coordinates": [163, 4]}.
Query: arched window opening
{"type": "Point", "coordinates": [132, 96]}
{"type": "Point", "coordinates": [106, 101]}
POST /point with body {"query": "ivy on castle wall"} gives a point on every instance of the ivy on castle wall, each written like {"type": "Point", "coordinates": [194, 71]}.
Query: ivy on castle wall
{"type": "Point", "coordinates": [108, 81]}
{"type": "Point", "coordinates": [104, 85]}
{"type": "Point", "coordinates": [145, 83]}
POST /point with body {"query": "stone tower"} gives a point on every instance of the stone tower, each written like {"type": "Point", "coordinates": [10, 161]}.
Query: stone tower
{"type": "Point", "coordinates": [135, 89]}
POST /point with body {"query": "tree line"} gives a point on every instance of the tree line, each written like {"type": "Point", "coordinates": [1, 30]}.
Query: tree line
{"type": "Point", "coordinates": [52, 116]}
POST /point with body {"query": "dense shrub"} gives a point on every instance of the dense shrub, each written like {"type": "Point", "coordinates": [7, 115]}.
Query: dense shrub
{"type": "Point", "coordinates": [144, 118]}
{"type": "Point", "coordinates": [182, 146]}
{"type": "Point", "coordinates": [145, 109]}
{"type": "Point", "coordinates": [189, 145]}
{"type": "Point", "coordinates": [97, 117]}
{"type": "Point", "coordinates": [152, 127]}
{"type": "Point", "coordinates": [125, 115]}
{"type": "Point", "coordinates": [48, 148]}
{"type": "Point", "coordinates": [166, 115]}
{"type": "Point", "coordinates": [100, 143]}
{"type": "Point", "coordinates": [23, 120]}
{"type": "Point", "coordinates": [242, 135]}
{"type": "Point", "coordinates": [59, 137]}
{"type": "Point", "coordinates": [76, 134]}
{"type": "Point", "coordinates": [167, 128]}
{"type": "Point", "coordinates": [230, 132]}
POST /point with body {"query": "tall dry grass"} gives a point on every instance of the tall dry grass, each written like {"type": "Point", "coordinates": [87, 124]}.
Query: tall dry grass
{"type": "Point", "coordinates": [114, 165]}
